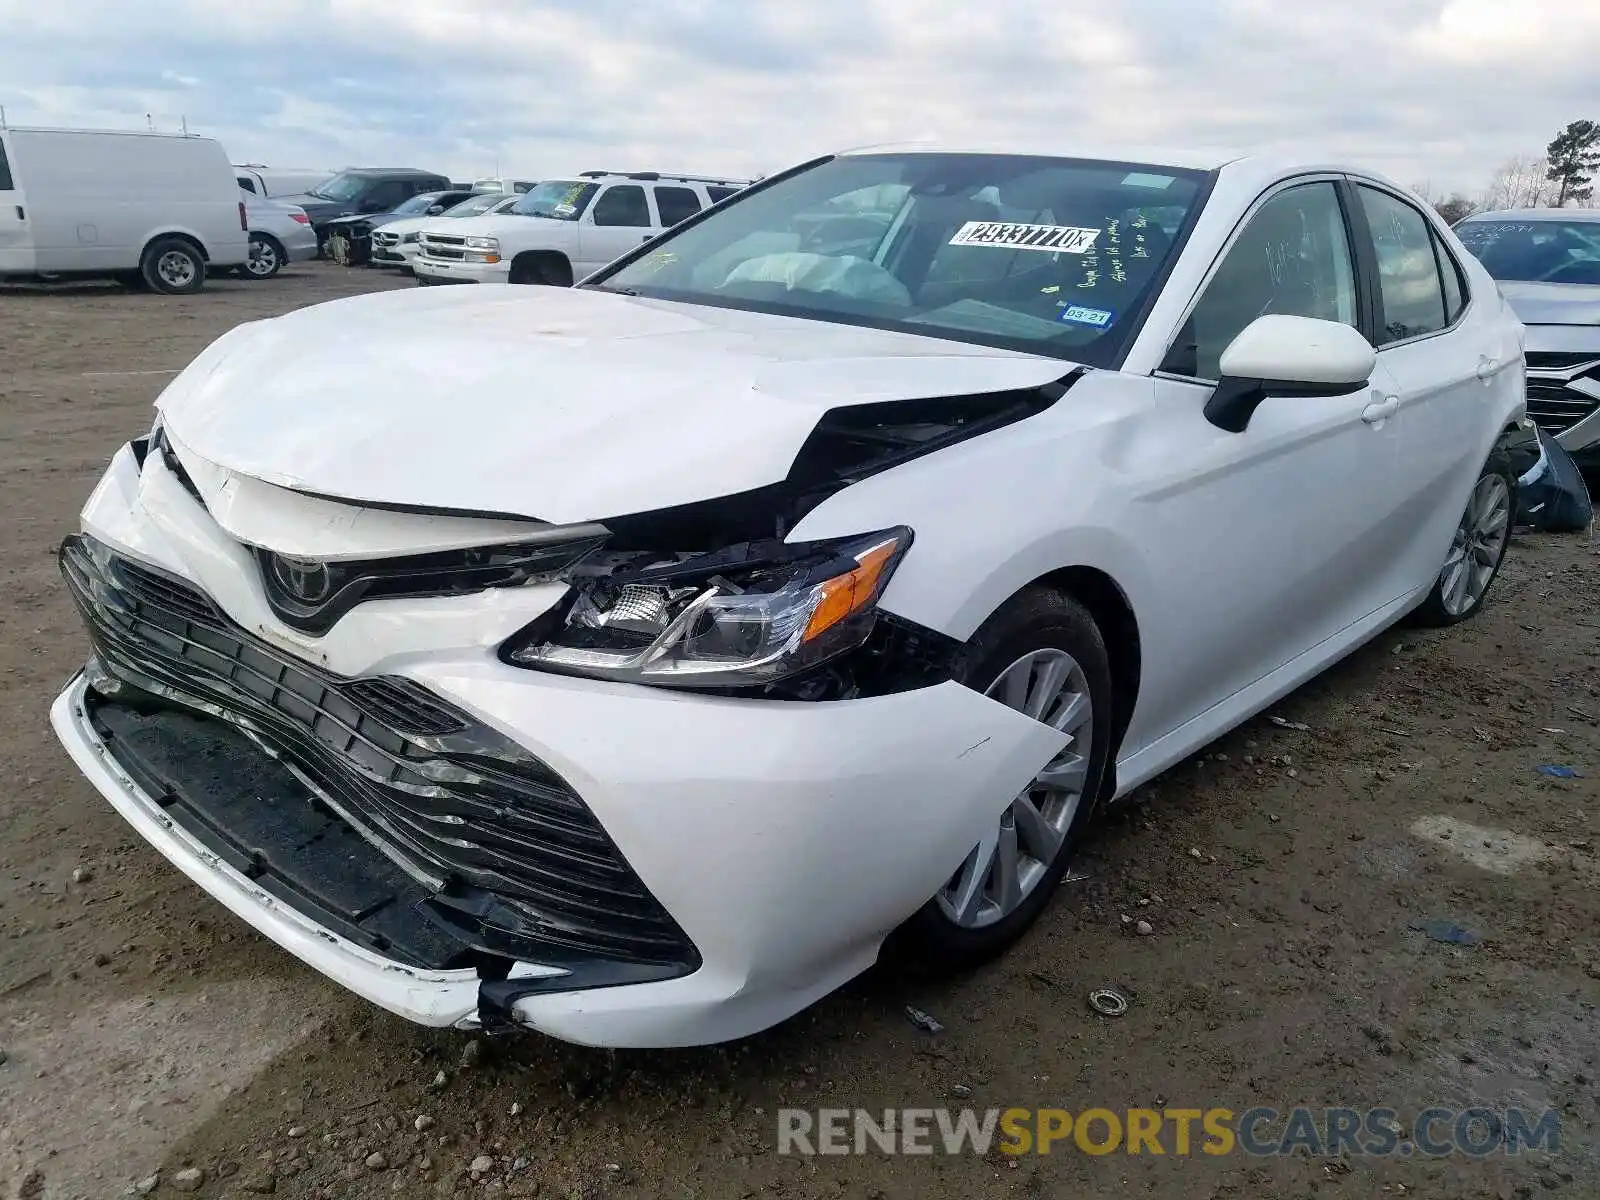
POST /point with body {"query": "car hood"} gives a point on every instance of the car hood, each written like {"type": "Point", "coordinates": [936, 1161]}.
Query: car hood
{"type": "Point", "coordinates": [493, 224]}
{"type": "Point", "coordinates": [1553, 303]}
{"type": "Point", "coordinates": [371, 220]}
{"type": "Point", "coordinates": [416, 224]}
{"type": "Point", "coordinates": [558, 404]}
{"type": "Point", "coordinates": [319, 208]}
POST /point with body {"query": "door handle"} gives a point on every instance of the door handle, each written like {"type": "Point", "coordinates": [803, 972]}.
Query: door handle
{"type": "Point", "coordinates": [1487, 367]}
{"type": "Point", "coordinates": [1374, 414]}
{"type": "Point", "coordinates": [21, 216]}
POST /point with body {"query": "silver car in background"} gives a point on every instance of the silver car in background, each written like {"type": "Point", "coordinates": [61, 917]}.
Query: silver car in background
{"type": "Point", "coordinates": [1547, 262]}
{"type": "Point", "coordinates": [396, 244]}
{"type": "Point", "coordinates": [280, 234]}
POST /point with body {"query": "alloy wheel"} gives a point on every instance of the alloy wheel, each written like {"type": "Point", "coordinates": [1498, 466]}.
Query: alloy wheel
{"type": "Point", "coordinates": [1004, 868]}
{"type": "Point", "coordinates": [1478, 545]}
{"type": "Point", "coordinates": [263, 259]}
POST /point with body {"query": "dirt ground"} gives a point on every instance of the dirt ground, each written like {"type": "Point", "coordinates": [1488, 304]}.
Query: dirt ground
{"type": "Point", "coordinates": [144, 1031]}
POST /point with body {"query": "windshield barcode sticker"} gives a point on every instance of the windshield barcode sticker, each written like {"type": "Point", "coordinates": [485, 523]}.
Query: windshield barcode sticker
{"type": "Point", "coordinates": [1056, 239]}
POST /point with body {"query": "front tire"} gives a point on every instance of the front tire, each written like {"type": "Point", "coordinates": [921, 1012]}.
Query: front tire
{"type": "Point", "coordinates": [1477, 551]}
{"type": "Point", "coordinates": [1043, 654]}
{"type": "Point", "coordinates": [173, 267]}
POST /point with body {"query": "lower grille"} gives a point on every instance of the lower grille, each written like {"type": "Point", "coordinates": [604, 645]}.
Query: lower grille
{"type": "Point", "coordinates": [504, 843]}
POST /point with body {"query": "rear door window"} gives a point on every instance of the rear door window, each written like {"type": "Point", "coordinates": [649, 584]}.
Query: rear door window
{"type": "Point", "coordinates": [1455, 297]}
{"type": "Point", "coordinates": [622, 204]}
{"type": "Point", "coordinates": [1408, 273]}
{"type": "Point", "coordinates": [676, 204]}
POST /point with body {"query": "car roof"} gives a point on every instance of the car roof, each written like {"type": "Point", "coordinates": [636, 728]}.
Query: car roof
{"type": "Point", "coordinates": [391, 171]}
{"type": "Point", "coordinates": [1535, 214]}
{"type": "Point", "coordinates": [1192, 159]}
{"type": "Point", "coordinates": [1246, 162]}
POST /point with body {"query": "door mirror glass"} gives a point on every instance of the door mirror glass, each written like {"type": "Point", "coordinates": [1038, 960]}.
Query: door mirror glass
{"type": "Point", "coordinates": [1278, 355]}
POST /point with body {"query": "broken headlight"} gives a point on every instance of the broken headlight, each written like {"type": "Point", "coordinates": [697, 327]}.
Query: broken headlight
{"type": "Point", "coordinates": [731, 619]}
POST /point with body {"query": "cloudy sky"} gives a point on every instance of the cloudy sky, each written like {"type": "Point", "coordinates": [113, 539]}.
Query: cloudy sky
{"type": "Point", "coordinates": [1435, 91]}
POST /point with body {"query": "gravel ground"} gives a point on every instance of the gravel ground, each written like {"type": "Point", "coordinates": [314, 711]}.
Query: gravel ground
{"type": "Point", "coordinates": [150, 1041]}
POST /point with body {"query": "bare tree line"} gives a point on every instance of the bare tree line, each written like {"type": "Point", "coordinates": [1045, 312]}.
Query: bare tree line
{"type": "Point", "coordinates": [1560, 178]}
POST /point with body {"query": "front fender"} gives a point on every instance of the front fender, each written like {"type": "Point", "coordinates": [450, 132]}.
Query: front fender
{"type": "Point", "coordinates": [990, 517]}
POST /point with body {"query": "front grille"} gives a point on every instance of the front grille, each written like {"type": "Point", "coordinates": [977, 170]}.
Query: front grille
{"type": "Point", "coordinates": [456, 803]}
{"type": "Point", "coordinates": [1561, 360]}
{"type": "Point", "coordinates": [1563, 387]}
{"type": "Point", "coordinates": [383, 238]}
{"type": "Point", "coordinates": [444, 245]}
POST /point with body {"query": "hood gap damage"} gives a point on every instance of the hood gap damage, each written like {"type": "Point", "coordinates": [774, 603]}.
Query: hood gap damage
{"type": "Point", "coordinates": [849, 443]}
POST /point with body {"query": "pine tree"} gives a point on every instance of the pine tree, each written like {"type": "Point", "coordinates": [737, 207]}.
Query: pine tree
{"type": "Point", "coordinates": [1573, 158]}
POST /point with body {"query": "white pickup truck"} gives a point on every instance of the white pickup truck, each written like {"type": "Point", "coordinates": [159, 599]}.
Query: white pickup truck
{"type": "Point", "coordinates": [564, 229]}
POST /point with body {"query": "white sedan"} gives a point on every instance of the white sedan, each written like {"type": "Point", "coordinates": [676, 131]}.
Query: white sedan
{"type": "Point", "coordinates": [637, 662]}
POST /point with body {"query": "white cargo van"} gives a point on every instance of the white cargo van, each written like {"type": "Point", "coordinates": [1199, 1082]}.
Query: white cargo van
{"type": "Point", "coordinates": [155, 210]}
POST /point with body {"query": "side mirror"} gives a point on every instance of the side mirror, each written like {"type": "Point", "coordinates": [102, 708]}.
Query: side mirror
{"type": "Point", "coordinates": [435, 209]}
{"type": "Point", "coordinates": [1287, 356]}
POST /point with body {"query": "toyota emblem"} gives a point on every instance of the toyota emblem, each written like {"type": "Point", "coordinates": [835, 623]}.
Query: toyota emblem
{"type": "Point", "coordinates": [306, 579]}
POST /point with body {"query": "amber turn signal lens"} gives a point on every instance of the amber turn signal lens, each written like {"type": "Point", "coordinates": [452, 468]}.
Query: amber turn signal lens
{"type": "Point", "coordinates": [854, 590]}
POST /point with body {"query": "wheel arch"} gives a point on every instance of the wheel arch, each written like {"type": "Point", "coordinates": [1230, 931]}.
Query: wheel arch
{"type": "Point", "coordinates": [546, 254]}
{"type": "Point", "coordinates": [1101, 589]}
{"type": "Point", "coordinates": [182, 235]}
{"type": "Point", "coordinates": [1108, 604]}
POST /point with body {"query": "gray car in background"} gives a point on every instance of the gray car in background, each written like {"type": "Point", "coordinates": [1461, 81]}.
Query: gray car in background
{"type": "Point", "coordinates": [1547, 262]}
{"type": "Point", "coordinates": [280, 233]}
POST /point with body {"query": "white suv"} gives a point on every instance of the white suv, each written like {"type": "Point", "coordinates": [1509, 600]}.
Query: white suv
{"type": "Point", "coordinates": [577, 226]}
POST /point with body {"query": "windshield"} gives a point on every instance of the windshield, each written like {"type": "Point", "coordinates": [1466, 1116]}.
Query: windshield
{"type": "Point", "coordinates": [475, 206]}
{"type": "Point", "coordinates": [558, 199]}
{"type": "Point", "coordinates": [1535, 251]}
{"type": "Point", "coordinates": [341, 188]}
{"type": "Point", "coordinates": [417, 204]}
{"type": "Point", "coordinates": [1048, 255]}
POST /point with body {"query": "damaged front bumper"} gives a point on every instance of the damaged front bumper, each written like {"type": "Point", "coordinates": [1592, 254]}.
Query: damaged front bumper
{"type": "Point", "coordinates": [681, 869]}
{"type": "Point", "coordinates": [435, 998]}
